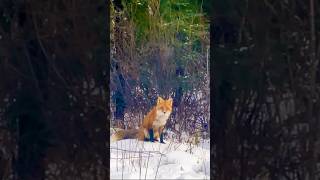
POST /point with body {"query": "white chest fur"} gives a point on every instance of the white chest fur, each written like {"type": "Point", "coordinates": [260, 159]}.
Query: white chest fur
{"type": "Point", "coordinates": [161, 119]}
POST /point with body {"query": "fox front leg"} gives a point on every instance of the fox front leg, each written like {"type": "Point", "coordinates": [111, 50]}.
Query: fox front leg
{"type": "Point", "coordinates": [161, 138]}
{"type": "Point", "coordinates": [151, 135]}
{"type": "Point", "coordinates": [156, 134]}
{"type": "Point", "coordinates": [161, 135]}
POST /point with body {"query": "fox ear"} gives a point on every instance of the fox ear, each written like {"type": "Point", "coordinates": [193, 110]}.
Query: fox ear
{"type": "Point", "coordinates": [170, 100]}
{"type": "Point", "coordinates": [160, 100]}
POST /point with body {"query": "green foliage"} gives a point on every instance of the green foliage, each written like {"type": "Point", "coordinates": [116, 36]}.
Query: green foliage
{"type": "Point", "coordinates": [137, 11]}
{"type": "Point", "coordinates": [161, 21]}
{"type": "Point", "coordinates": [163, 43]}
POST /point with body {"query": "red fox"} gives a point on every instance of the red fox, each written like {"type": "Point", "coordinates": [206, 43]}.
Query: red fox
{"type": "Point", "coordinates": [152, 126]}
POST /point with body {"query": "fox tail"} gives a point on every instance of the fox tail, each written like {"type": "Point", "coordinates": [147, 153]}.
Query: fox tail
{"type": "Point", "coordinates": [124, 134]}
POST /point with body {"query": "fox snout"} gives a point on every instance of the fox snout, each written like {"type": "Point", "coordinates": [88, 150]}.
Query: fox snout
{"type": "Point", "coordinates": [163, 112]}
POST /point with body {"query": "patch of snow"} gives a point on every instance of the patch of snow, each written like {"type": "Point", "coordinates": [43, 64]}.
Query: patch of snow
{"type": "Point", "coordinates": [133, 159]}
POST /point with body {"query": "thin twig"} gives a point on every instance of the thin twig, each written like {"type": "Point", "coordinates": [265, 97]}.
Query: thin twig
{"type": "Point", "coordinates": [155, 177]}
{"type": "Point", "coordinates": [140, 158]}
{"type": "Point", "coordinates": [145, 177]}
{"type": "Point", "coordinates": [46, 55]}
{"type": "Point", "coordinates": [122, 165]}
{"type": "Point", "coordinates": [136, 151]}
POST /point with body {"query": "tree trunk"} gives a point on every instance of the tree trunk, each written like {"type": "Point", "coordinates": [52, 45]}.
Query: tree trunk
{"type": "Point", "coordinates": [312, 120]}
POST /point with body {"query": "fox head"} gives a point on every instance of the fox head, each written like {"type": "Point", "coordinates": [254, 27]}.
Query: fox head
{"type": "Point", "coordinates": [164, 107]}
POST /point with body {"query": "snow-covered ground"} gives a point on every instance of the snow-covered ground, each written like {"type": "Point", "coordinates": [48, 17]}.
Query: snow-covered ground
{"type": "Point", "coordinates": [133, 159]}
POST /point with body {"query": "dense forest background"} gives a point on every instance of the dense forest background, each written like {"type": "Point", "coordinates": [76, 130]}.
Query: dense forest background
{"type": "Point", "coordinates": [160, 48]}
{"type": "Point", "coordinates": [53, 89]}
{"type": "Point", "coordinates": [266, 89]}
{"type": "Point", "coordinates": [264, 83]}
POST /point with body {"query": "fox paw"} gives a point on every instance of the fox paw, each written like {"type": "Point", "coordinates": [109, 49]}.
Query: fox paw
{"type": "Point", "coordinates": [148, 140]}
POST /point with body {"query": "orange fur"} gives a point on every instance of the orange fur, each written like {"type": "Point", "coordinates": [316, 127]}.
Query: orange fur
{"type": "Point", "coordinates": [155, 119]}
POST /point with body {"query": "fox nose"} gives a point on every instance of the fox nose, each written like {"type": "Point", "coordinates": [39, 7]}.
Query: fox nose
{"type": "Point", "coordinates": [164, 112]}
